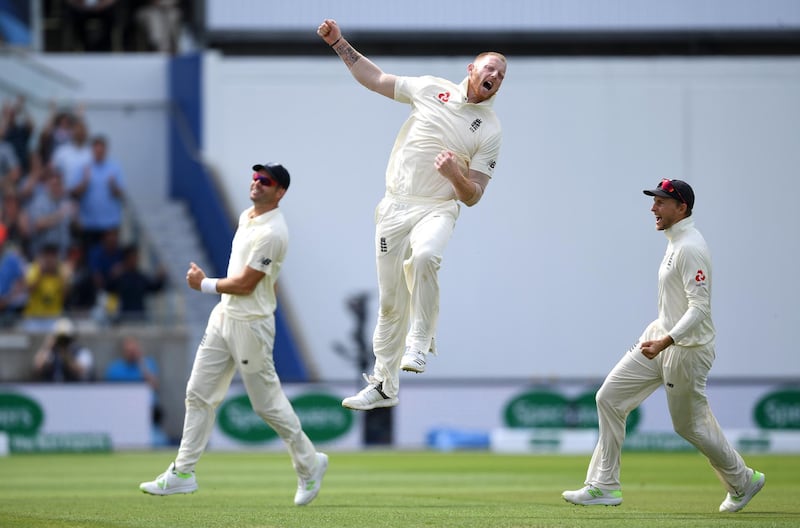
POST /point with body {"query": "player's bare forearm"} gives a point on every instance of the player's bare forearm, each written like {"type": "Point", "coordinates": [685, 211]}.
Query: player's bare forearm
{"type": "Point", "coordinates": [366, 72]}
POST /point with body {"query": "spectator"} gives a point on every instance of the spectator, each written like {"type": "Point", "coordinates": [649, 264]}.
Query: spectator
{"type": "Point", "coordinates": [47, 280]}
{"type": "Point", "coordinates": [93, 23]}
{"type": "Point", "coordinates": [61, 358]}
{"type": "Point", "coordinates": [72, 157]}
{"type": "Point", "coordinates": [131, 285]}
{"type": "Point", "coordinates": [99, 192]}
{"type": "Point", "coordinates": [16, 128]}
{"type": "Point", "coordinates": [10, 168]}
{"type": "Point", "coordinates": [31, 182]}
{"type": "Point", "coordinates": [50, 214]}
{"type": "Point", "coordinates": [160, 21]}
{"type": "Point", "coordinates": [81, 295]}
{"type": "Point", "coordinates": [102, 258]}
{"type": "Point", "coordinates": [15, 220]}
{"type": "Point", "coordinates": [57, 131]}
{"type": "Point", "coordinates": [13, 294]}
{"type": "Point", "coordinates": [134, 366]}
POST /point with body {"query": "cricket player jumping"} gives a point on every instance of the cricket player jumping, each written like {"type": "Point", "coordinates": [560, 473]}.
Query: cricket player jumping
{"type": "Point", "coordinates": [444, 153]}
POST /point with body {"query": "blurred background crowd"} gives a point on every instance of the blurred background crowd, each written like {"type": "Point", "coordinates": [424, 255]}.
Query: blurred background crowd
{"type": "Point", "coordinates": [64, 247]}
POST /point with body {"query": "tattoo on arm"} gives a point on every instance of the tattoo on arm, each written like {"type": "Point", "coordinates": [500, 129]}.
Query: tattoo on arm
{"type": "Point", "coordinates": [349, 55]}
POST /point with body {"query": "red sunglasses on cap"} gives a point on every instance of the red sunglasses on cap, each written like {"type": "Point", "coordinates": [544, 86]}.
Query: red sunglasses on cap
{"type": "Point", "coordinates": [666, 185]}
{"type": "Point", "coordinates": [266, 181]}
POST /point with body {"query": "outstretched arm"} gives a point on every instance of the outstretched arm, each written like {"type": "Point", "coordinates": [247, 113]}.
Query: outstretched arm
{"type": "Point", "coordinates": [363, 70]}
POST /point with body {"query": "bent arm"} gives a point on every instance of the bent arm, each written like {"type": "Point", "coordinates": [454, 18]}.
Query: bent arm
{"type": "Point", "coordinates": [242, 284]}
{"type": "Point", "coordinates": [467, 183]}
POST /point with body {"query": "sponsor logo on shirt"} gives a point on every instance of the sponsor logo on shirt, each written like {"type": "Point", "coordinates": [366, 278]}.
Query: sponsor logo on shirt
{"type": "Point", "coordinates": [443, 97]}
{"type": "Point", "coordinates": [700, 277]}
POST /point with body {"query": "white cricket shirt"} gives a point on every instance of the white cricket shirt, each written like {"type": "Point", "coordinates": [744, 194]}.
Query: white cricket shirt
{"type": "Point", "coordinates": [684, 286]}
{"type": "Point", "coordinates": [260, 243]}
{"type": "Point", "coordinates": [440, 119]}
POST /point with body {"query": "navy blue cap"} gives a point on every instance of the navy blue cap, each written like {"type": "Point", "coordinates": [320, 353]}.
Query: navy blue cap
{"type": "Point", "coordinates": [277, 171]}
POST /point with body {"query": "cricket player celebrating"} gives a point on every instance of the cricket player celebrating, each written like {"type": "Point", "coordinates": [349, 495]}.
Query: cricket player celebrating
{"type": "Point", "coordinates": [240, 335]}
{"type": "Point", "coordinates": [444, 153]}
{"type": "Point", "coordinates": [676, 351]}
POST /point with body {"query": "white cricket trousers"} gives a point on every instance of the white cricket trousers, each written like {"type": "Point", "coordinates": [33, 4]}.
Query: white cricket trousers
{"type": "Point", "coordinates": [683, 372]}
{"type": "Point", "coordinates": [410, 238]}
{"type": "Point", "coordinates": [230, 344]}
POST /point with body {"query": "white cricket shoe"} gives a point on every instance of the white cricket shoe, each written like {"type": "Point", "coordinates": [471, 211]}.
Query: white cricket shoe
{"type": "Point", "coordinates": [734, 503]}
{"type": "Point", "coordinates": [308, 489]}
{"type": "Point", "coordinates": [592, 495]}
{"type": "Point", "coordinates": [370, 397]}
{"type": "Point", "coordinates": [170, 482]}
{"type": "Point", "coordinates": [413, 361]}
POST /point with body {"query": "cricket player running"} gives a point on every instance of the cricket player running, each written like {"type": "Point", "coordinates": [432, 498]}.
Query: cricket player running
{"type": "Point", "coordinates": [676, 351]}
{"type": "Point", "coordinates": [444, 153]}
{"type": "Point", "coordinates": [240, 335]}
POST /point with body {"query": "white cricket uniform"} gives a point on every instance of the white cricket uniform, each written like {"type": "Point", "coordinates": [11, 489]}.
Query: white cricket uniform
{"type": "Point", "coordinates": [240, 335]}
{"type": "Point", "coordinates": [684, 312]}
{"type": "Point", "coordinates": [415, 219]}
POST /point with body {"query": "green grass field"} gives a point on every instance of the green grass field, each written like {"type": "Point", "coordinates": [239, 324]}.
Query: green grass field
{"type": "Point", "coordinates": [378, 489]}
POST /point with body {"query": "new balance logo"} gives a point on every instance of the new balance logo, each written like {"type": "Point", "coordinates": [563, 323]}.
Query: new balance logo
{"type": "Point", "coordinates": [266, 261]}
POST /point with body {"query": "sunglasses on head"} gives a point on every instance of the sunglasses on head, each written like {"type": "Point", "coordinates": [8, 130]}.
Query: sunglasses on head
{"type": "Point", "coordinates": [266, 181]}
{"type": "Point", "coordinates": [666, 185]}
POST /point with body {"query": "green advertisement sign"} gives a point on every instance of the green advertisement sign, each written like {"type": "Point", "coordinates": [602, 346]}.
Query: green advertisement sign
{"type": "Point", "coordinates": [20, 415]}
{"type": "Point", "coordinates": [779, 410]}
{"type": "Point", "coordinates": [547, 409]}
{"type": "Point", "coordinates": [322, 416]}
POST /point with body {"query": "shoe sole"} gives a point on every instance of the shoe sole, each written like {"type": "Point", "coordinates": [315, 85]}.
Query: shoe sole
{"type": "Point", "coordinates": [175, 492]}
{"type": "Point", "coordinates": [593, 503]}
{"type": "Point", "coordinates": [415, 370]}
{"type": "Point", "coordinates": [378, 404]}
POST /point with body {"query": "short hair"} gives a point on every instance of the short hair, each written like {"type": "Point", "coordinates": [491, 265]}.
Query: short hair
{"type": "Point", "coordinates": [493, 54]}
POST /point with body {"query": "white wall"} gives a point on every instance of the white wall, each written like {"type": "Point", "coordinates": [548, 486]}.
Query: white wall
{"type": "Point", "coordinates": [553, 274]}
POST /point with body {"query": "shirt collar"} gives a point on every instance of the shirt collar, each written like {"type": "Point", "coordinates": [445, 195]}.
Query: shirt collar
{"type": "Point", "coordinates": [678, 228]}
{"type": "Point", "coordinates": [263, 217]}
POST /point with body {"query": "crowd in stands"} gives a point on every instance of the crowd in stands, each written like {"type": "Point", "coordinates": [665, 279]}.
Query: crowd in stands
{"type": "Point", "coordinates": [117, 25]}
{"type": "Point", "coordinates": [62, 205]}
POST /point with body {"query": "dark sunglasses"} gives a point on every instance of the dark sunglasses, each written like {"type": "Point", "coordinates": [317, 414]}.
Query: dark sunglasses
{"type": "Point", "coordinates": [666, 185]}
{"type": "Point", "coordinates": [266, 181]}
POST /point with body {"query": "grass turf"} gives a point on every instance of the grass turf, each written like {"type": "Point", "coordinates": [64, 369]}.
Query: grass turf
{"type": "Point", "coordinates": [379, 489]}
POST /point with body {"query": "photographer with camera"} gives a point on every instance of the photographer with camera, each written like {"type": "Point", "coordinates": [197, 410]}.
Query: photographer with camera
{"type": "Point", "coordinates": [61, 358]}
